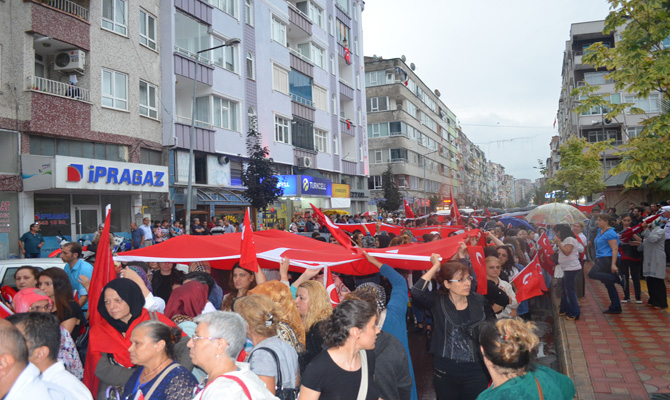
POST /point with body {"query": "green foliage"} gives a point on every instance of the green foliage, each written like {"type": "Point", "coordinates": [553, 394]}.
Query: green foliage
{"type": "Point", "coordinates": [639, 64]}
{"type": "Point", "coordinates": [435, 200]}
{"type": "Point", "coordinates": [581, 171]}
{"type": "Point", "coordinates": [392, 196]}
{"type": "Point", "coordinates": [258, 176]}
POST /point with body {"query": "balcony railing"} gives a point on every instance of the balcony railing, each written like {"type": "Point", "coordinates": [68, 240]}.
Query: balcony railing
{"type": "Point", "coordinates": [60, 89]}
{"type": "Point", "coordinates": [196, 123]}
{"type": "Point", "coordinates": [301, 100]}
{"type": "Point", "coordinates": [67, 7]}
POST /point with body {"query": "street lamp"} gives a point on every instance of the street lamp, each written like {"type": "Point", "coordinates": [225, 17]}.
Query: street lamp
{"type": "Point", "coordinates": [191, 132]}
{"type": "Point", "coordinates": [425, 206]}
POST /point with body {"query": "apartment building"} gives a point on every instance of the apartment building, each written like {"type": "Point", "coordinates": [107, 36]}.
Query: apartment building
{"type": "Point", "coordinates": [471, 171]}
{"type": "Point", "coordinates": [295, 77]}
{"type": "Point", "coordinates": [79, 120]}
{"type": "Point", "coordinates": [592, 124]}
{"type": "Point", "coordinates": [411, 129]}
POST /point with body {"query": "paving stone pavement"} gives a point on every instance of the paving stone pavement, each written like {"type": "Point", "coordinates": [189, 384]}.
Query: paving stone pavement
{"type": "Point", "coordinates": [625, 356]}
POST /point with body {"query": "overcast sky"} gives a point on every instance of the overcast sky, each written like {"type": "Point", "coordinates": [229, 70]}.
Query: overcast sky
{"type": "Point", "coordinates": [496, 63]}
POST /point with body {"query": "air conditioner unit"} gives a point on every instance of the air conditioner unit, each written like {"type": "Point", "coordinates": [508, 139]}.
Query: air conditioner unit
{"type": "Point", "coordinates": [70, 60]}
{"type": "Point", "coordinates": [305, 162]}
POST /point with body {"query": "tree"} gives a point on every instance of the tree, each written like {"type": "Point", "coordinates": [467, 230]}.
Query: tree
{"type": "Point", "coordinates": [435, 200]}
{"type": "Point", "coordinates": [581, 171]}
{"type": "Point", "coordinates": [639, 64]}
{"type": "Point", "coordinates": [392, 197]}
{"type": "Point", "coordinates": [259, 174]}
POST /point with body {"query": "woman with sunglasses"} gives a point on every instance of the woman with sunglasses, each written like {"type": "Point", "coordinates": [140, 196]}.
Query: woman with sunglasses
{"type": "Point", "coordinates": [457, 315]}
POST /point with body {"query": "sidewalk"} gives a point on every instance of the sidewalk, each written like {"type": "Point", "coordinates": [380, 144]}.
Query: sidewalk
{"type": "Point", "coordinates": [625, 356]}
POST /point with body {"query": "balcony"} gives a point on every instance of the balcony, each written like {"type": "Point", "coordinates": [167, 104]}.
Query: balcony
{"type": "Point", "coordinates": [204, 136]}
{"type": "Point", "coordinates": [60, 89]}
{"type": "Point", "coordinates": [347, 127]}
{"type": "Point", "coordinates": [349, 167]}
{"type": "Point", "coordinates": [301, 63]}
{"type": "Point", "coordinates": [299, 19]}
{"type": "Point", "coordinates": [67, 7]}
{"type": "Point", "coordinates": [199, 9]}
{"type": "Point", "coordinates": [346, 90]}
{"type": "Point", "coordinates": [184, 65]}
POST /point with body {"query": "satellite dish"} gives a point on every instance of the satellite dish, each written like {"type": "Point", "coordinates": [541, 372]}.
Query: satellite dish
{"type": "Point", "coordinates": [437, 93]}
{"type": "Point", "coordinates": [412, 67]}
{"type": "Point", "coordinates": [403, 58]}
{"type": "Point", "coordinates": [374, 57]}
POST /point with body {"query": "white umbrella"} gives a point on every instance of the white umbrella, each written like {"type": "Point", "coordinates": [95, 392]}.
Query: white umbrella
{"type": "Point", "coordinates": [555, 213]}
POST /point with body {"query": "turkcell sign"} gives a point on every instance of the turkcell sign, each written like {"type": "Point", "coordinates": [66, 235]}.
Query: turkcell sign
{"type": "Point", "coordinates": [315, 186]}
{"type": "Point", "coordinates": [289, 183]}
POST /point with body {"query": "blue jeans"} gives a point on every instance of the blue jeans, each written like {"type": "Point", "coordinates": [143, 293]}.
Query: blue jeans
{"type": "Point", "coordinates": [569, 304]}
{"type": "Point", "coordinates": [602, 271]}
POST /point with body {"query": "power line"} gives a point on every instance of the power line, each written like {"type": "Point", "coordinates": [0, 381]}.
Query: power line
{"type": "Point", "coordinates": [508, 126]}
{"type": "Point", "coordinates": [509, 140]}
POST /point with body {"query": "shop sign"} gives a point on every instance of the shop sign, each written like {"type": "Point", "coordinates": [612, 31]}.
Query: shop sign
{"type": "Point", "coordinates": [289, 183]}
{"type": "Point", "coordinates": [358, 195]}
{"type": "Point", "coordinates": [341, 190]}
{"type": "Point", "coordinates": [315, 186]}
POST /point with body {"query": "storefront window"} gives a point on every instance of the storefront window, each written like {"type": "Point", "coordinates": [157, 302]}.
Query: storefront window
{"type": "Point", "coordinates": [9, 217]}
{"type": "Point", "coordinates": [52, 212]}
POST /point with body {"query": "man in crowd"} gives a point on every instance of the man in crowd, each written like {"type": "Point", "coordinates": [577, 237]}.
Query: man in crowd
{"type": "Point", "coordinates": [135, 236]}
{"type": "Point", "coordinates": [227, 227]}
{"type": "Point", "coordinates": [217, 229]}
{"type": "Point", "coordinates": [18, 378]}
{"type": "Point", "coordinates": [75, 267]}
{"type": "Point", "coordinates": [42, 334]}
{"type": "Point", "coordinates": [31, 242]}
{"type": "Point", "coordinates": [196, 228]}
{"type": "Point", "coordinates": [591, 233]}
{"type": "Point", "coordinates": [147, 234]}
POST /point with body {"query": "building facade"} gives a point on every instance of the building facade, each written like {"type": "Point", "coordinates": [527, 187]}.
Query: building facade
{"type": "Point", "coordinates": [411, 130]}
{"type": "Point", "coordinates": [295, 77]}
{"type": "Point", "coordinates": [79, 94]}
{"type": "Point", "coordinates": [471, 162]}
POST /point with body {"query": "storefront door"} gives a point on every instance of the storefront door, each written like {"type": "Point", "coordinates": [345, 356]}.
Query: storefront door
{"type": "Point", "coordinates": [87, 219]}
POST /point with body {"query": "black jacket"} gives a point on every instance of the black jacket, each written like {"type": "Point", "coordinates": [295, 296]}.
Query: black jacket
{"type": "Point", "coordinates": [453, 338]}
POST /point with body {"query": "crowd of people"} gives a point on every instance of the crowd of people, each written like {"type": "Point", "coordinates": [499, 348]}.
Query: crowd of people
{"type": "Point", "coordinates": [169, 334]}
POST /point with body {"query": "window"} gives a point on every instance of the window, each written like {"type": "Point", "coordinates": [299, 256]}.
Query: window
{"type": "Point", "coordinates": [376, 78]}
{"type": "Point", "coordinates": [647, 105]}
{"type": "Point", "coordinates": [224, 57]}
{"type": "Point", "coordinates": [378, 130]}
{"type": "Point", "coordinates": [114, 89]}
{"type": "Point", "coordinates": [342, 32]}
{"type": "Point", "coordinates": [114, 16]}
{"type": "Point", "coordinates": [603, 135]}
{"type": "Point", "coordinates": [9, 162]}
{"type": "Point", "coordinates": [248, 12]}
{"type": "Point", "coordinates": [360, 116]}
{"type": "Point", "coordinates": [203, 111]}
{"type": "Point", "coordinates": [148, 100]}
{"type": "Point", "coordinates": [313, 53]}
{"type": "Point", "coordinates": [595, 78]}
{"type": "Point", "coordinates": [282, 129]}
{"type": "Point", "coordinates": [227, 6]}
{"type": "Point", "coordinates": [333, 104]}
{"type": "Point", "coordinates": [251, 69]}
{"type": "Point", "coordinates": [634, 131]}
{"type": "Point", "coordinates": [375, 182]}
{"type": "Point", "coordinates": [411, 108]}
{"type": "Point", "coordinates": [321, 140]}
{"type": "Point", "coordinates": [152, 157]}
{"type": "Point", "coordinates": [279, 79]}
{"type": "Point", "coordinates": [320, 98]}
{"type": "Point", "coordinates": [332, 64]}
{"type": "Point", "coordinates": [278, 31]}
{"type": "Point", "coordinates": [356, 46]}
{"type": "Point", "coordinates": [302, 133]}
{"type": "Point", "coordinates": [343, 5]}
{"type": "Point", "coordinates": [200, 168]}
{"type": "Point", "coordinates": [336, 145]}
{"type": "Point", "coordinates": [331, 26]}
{"type": "Point", "coordinates": [377, 156]}
{"type": "Point", "coordinates": [43, 146]}
{"type": "Point", "coordinates": [225, 114]}
{"type": "Point", "coordinates": [375, 104]}
{"type": "Point", "coordinates": [147, 30]}
{"type": "Point", "coordinates": [316, 15]}
{"type": "Point", "coordinates": [40, 69]}
{"type": "Point", "coordinates": [358, 81]}
{"type": "Point", "coordinates": [191, 35]}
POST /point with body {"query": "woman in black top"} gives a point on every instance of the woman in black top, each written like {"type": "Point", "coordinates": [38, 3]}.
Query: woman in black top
{"type": "Point", "coordinates": [56, 284]}
{"type": "Point", "coordinates": [164, 280]}
{"type": "Point", "coordinates": [457, 315]}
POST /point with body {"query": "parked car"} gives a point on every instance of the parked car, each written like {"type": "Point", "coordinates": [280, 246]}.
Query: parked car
{"type": "Point", "coordinates": [9, 267]}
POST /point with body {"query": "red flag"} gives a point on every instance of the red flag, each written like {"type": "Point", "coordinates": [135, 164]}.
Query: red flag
{"type": "Point", "coordinates": [529, 282]}
{"type": "Point", "coordinates": [554, 122]}
{"type": "Point", "coordinates": [4, 311]}
{"type": "Point", "coordinates": [545, 244]}
{"type": "Point", "coordinates": [248, 259]}
{"type": "Point", "coordinates": [455, 214]}
{"type": "Point", "coordinates": [545, 252]}
{"type": "Point", "coordinates": [488, 214]}
{"type": "Point", "coordinates": [629, 232]}
{"type": "Point", "coordinates": [408, 210]}
{"type": "Point", "coordinates": [479, 265]}
{"type": "Point", "coordinates": [347, 55]}
{"type": "Point", "coordinates": [103, 272]}
{"type": "Point", "coordinates": [342, 238]}
{"type": "Point", "coordinates": [331, 289]}
{"type": "Point", "coordinates": [8, 293]}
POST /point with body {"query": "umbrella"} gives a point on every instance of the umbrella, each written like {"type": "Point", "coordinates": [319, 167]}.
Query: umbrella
{"type": "Point", "coordinates": [369, 214]}
{"type": "Point", "coordinates": [555, 213]}
{"type": "Point", "coordinates": [517, 223]}
{"type": "Point", "coordinates": [332, 211]}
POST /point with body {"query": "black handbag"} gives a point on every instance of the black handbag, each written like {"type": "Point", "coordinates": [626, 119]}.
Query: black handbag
{"type": "Point", "coordinates": [281, 392]}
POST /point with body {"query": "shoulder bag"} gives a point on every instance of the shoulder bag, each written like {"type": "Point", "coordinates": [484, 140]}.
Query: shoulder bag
{"type": "Point", "coordinates": [363, 389]}
{"type": "Point", "coordinates": [280, 391]}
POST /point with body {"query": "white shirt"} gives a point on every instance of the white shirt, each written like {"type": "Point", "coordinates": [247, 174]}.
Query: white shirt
{"type": "Point", "coordinates": [29, 386]}
{"type": "Point", "coordinates": [513, 304]}
{"type": "Point", "coordinates": [68, 383]}
{"type": "Point", "coordinates": [225, 388]}
{"type": "Point", "coordinates": [154, 303]}
{"type": "Point", "coordinates": [571, 261]}
{"type": "Point", "coordinates": [146, 232]}
{"type": "Point", "coordinates": [667, 230]}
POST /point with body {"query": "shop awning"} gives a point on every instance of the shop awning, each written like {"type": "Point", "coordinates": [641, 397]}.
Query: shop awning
{"type": "Point", "coordinates": [222, 197]}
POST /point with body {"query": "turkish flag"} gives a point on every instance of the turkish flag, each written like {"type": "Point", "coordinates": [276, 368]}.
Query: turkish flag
{"type": "Point", "coordinates": [248, 259]}
{"type": "Point", "coordinates": [629, 232]}
{"type": "Point", "coordinates": [4, 311]}
{"type": "Point", "coordinates": [103, 273]}
{"type": "Point", "coordinates": [529, 283]}
{"type": "Point", "coordinates": [408, 211]}
{"type": "Point", "coordinates": [488, 214]}
{"type": "Point", "coordinates": [8, 293]}
{"type": "Point", "coordinates": [479, 265]}
{"type": "Point", "coordinates": [342, 238]}
{"type": "Point", "coordinates": [546, 244]}
{"type": "Point", "coordinates": [455, 214]}
{"type": "Point", "coordinates": [545, 252]}
{"type": "Point", "coordinates": [331, 289]}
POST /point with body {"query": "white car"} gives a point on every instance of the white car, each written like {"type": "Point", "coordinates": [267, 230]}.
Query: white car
{"type": "Point", "coordinates": [9, 267]}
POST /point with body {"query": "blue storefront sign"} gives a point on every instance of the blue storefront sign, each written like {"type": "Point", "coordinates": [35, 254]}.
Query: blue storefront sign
{"type": "Point", "coordinates": [310, 185]}
{"type": "Point", "coordinates": [289, 183]}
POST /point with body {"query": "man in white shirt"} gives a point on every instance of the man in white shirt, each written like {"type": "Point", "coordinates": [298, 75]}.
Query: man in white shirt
{"type": "Point", "coordinates": [19, 379]}
{"type": "Point", "coordinates": [42, 335]}
{"type": "Point", "coordinates": [227, 227]}
{"type": "Point", "coordinates": [147, 234]}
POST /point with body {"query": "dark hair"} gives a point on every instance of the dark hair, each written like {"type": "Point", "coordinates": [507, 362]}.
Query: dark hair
{"type": "Point", "coordinates": [351, 313]}
{"type": "Point", "coordinates": [228, 300]}
{"type": "Point", "coordinates": [202, 277]}
{"type": "Point", "coordinates": [39, 329]}
{"type": "Point", "coordinates": [490, 251]}
{"type": "Point", "coordinates": [74, 248]}
{"type": "Point", "coordinates": [564, 231]}
{"type": "Point", "coordinates": [518, 248]}
{"type": "Point", "coordinates": [62, 290]}
{"type": "Point", "coordinates": [140, 264]}
{"type": "Point", "coordinates": [320, 239]}
{"type": "Point", "coordinates": [428, 237]}
{"type": "Point", "coordinates": [12, 342]}
{"type": "Point", "coordinates": [384, 241]}
{"type": "Point", "coordinates": [607, 218]}
{"type": "Point", "coordinates": [447, 272]}
{"type": "Point", "coordinates": [315, 235]}
{"type": "Point", "coordinates": [509, 344]}
{"type": "Point", "coordinates": [158, 331]}
{"type": "Point", "coordinates": [509, 266]}
{"type": "Point", "coordinates": [33, 270]}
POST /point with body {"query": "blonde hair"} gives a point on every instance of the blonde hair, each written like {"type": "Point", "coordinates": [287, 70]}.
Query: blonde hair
{"type": "Point", "coordinates": [319, 304]}
{"type": "Point", "coordinates": [261, 313]}
{"type": "Point", "coordinates": [510, 344]}
{"type": "Point", "coordinates": [281, 295]}
{"type": "Point", "coordinates": [492, 259]}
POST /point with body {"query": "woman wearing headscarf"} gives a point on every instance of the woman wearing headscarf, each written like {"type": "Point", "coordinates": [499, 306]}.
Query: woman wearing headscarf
{"type": "Point", "coordinates": [121, 307]}
{"type": "Point", "coordinates": [187, 302]}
